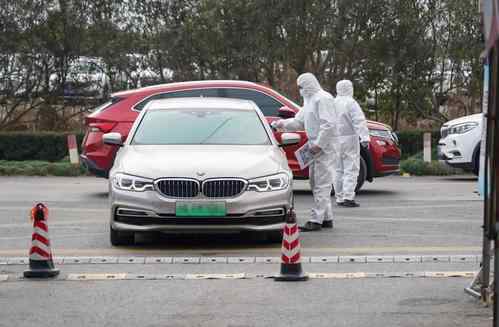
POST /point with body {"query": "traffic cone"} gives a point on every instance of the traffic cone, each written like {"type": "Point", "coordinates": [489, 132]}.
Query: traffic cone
{"type": "Point", "coordinates": [41, 264]}
{"type": "Point", "coordinates": [291, 269]}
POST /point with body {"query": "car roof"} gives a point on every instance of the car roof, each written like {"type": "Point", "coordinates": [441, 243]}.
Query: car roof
{"type": "Point", "coordinates": [202, 103]}
{"type": "Point", "coordinates": [190, 84]}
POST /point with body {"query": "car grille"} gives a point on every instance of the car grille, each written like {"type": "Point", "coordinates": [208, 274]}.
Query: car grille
{"type": "Point", "coordinates": [225, 188]}
{"type": "Point", "coordinates": [190, 188]}
{"type": "Point", "coordinates": [178, 188]}
{"type": "Point", "coordinates": [388, 160]}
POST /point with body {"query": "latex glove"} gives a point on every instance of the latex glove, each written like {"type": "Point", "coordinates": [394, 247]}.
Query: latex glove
{"type": "Point", "coordinates": [315, 149]}
{"type": "Point", "coordinates": [277, 124]}
{"type": "Point", "coordinates": [365, 144]}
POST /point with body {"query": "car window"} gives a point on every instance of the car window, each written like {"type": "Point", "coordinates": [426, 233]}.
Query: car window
{"type": "Point", "coordinates": [179, 94]}
{"type": "Point", "coordinates": [93, 68]}
{"type": "Point", "coordinates": [267, 104]}
{"type": "Point", "coordinates": [205, 126]}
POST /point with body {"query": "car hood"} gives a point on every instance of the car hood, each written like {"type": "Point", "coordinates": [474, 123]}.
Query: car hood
{"type": "Point", "coordinates": [466, 119]}
{"type": "Point", "coordinates": [200, 161]}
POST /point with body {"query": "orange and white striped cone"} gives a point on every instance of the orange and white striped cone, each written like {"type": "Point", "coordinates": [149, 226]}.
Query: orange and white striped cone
{"type": "Point", "coordinates": [41, 264]}
{"type": "Point", "coordinates": [291, 269]}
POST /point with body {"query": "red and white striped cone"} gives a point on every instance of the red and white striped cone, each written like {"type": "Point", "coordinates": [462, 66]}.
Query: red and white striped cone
{"type": "Point", "coordinates": [41, 264]}
{"type": "Point", "coordinates": [291, 269]}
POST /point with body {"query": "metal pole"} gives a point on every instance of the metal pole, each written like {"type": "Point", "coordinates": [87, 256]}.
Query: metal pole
{"type": "Point", "coordinates": [486, 257]}
{"type": "Point", "coordinates": [494, 147]}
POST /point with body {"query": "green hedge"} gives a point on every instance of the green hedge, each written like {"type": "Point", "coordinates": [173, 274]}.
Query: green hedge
{"type": "Point", "coordinates": [419, 167]}
{"type": "Point", "coordinates": [411, 142]}
{"type": "Point", "coordinates": [49, 146]}
{"type": "Point", "coordinates": [40, 168]}
{"type": "Point", "coordinates": [46, 146]}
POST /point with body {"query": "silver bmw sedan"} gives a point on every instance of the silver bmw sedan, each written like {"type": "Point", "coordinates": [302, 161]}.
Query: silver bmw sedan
{"type": "Point", "coordinates": [199, 165]}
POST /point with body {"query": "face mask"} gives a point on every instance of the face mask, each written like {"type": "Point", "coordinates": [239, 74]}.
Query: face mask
{"type": "Point", "coordinates": [301, 92]}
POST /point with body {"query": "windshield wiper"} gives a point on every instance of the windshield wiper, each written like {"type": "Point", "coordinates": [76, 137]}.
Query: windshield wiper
{"type": "Point", "coordinates": [216, 130]}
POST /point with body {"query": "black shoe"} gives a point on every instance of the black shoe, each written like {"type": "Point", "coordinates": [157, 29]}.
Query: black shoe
{"type": "Point", "coordinates": [327, 224]}
{"type": "Point", "coordinates": [340, 204]}
{"type": "Point", "coordinates": [311, 227]}
{"type": "Point", "coordinates": [350, 204]}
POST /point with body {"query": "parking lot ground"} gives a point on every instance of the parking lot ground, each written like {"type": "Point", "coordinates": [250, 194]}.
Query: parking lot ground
{"type": "Point", "coordinates": [387, 263]}
{"type": "Point", "coordinates": [397, 216]}
{"type": "Point", "coordinates": [237, 301]}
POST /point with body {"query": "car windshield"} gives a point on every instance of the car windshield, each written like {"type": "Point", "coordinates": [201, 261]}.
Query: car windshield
{"type": "Point", "coordinates": [84, 67]}
{"type": "Point", "coordinates": [201, 126]}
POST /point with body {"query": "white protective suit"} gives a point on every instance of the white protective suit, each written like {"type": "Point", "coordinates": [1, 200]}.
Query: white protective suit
{"type": "Point", "coordinates": [350, 126]}
{"type": "Point", "coordinates": [316, 117]}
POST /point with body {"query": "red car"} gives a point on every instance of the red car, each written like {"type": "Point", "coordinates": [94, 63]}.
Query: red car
{"type": "Point", "coordinates": [118, 115]}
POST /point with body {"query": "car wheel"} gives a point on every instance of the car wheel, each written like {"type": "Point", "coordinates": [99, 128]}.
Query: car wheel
{"type": "Point", "coordinates": [274, 236]}
{"type": "Point", "coordinates": [121, 238]}
{"type": "Point", "coordinates": [362, 176]}
{"type": "Point", "coordinates": [476, 163]}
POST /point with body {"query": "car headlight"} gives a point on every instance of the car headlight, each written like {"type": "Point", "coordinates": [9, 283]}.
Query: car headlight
{"type": "Point", "coordinates": [269, 183]}
{"type": "Point", "coordinates": [462, 128]}
{"type": "Point", "coordinates": [132, 183]}
{"type": "Point", "coordinates": [381, 133]}
{"type": "Point", "coordinates": [395, 137]}
{"type": "Point", "coordinates": [384, 134]}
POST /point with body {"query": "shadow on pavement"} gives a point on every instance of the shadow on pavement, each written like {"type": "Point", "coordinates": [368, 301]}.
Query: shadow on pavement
{"type": "Point", "coordinates": [461, 179]}
{"type": "Point", "coordinates": [100, 195]}
{"type": "Point", "coordinates": [208, 242]}
{"type": "Point", "coordinates": [302, 192]}
{"type": "Point", "coordinates": [376, 192]}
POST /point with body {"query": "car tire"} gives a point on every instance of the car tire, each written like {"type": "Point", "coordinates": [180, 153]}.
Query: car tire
{"type": "Point", "coordinates": [120, 237]}
{"type": "Point", "coordinates": [274, 236]}
{"type": "Point", "coordinates": [362, 176]}
{"type": "Point", "coordinates": [476, 162]}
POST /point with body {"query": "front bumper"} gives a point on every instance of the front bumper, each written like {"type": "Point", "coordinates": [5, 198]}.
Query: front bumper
{"type": "Point", "coordinates": [455, 151]}
{"type": "Point", "coordinates": [385, 156]}
{"type": "Point", "coordinates": [88, 89]}
{"type": "Point", "coordinates": [149, 211]}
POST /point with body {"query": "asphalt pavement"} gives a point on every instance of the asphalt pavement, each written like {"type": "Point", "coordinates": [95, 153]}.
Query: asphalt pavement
{"type": "Point", "coordinates": [401, 259]}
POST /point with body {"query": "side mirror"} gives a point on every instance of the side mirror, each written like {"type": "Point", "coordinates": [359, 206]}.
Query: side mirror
{"type": "Point", "coordinates": [286, 112]}
{"type": "Point", "coordinates": [112, 139]}
{"type": "Point", "coordinates": [288, 139]}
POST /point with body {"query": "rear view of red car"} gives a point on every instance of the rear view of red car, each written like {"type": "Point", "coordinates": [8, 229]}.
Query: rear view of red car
{"type": "Point", "coordinates": [119, 113]}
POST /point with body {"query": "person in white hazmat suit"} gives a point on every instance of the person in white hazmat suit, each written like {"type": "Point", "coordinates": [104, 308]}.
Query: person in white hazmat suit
{"type": "Point", "coordinates": [350, 126]}
{"type": "Point", "coordinates": [316, 117]}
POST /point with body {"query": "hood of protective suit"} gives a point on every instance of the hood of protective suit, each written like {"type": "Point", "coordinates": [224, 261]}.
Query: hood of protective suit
{"type": "Point", "coordinates": [344, 88]}
{"type": "Point", "coordinates": [309, 85]}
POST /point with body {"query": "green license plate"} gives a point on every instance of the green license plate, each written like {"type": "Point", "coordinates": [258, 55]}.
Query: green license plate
{"type": "Point", "coordinates": [200, 209]}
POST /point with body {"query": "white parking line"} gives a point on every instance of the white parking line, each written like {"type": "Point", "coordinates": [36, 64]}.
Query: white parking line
{"type": "Point", "coordinates": [79, 222]}
{"type": "Point", "coordinates": [58, 236]}
{"type": "Point", "coordinates": [244, 251]}
{"type": "Point", "coordinates": [52, 208]}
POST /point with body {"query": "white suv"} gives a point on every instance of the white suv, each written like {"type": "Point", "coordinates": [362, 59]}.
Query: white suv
{"type": "Point", "coordinates": [459, 145]}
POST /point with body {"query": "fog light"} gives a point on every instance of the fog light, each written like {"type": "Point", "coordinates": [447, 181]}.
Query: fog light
{"type": "Point", "coordinates": [270, 212]}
